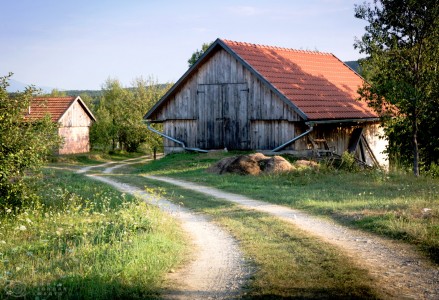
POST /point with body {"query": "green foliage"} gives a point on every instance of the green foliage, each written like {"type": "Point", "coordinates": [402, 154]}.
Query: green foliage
{"type": "Point", "coordinates": [87, 239]}
{"type": "Point", "coordinates": [392, 204]}
{"type": "Point", "coordinates": [120, 114]}
{"type": "Point", "coordinates": [88, 100]}
{"type": "Point", "coordinates": [348, 162]}
{"type": "Point", "coordinates": [57, 93]}
{"type": "Point", "coordinates": [24, 145]}
{"type": "Point", "coordinates": [433, 171]}
{"type": "Point", "coordinates": [402, 41]}
{"type": "Point", "coordinates": [289, 263]}
{"type": "Point", "coordinates": [198, 53]}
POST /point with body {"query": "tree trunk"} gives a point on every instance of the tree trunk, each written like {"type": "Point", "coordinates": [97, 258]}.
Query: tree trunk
{"type": "Point", "coordinates": [155, 153]}
{"type": "Point", "coordinates": [415, 148]}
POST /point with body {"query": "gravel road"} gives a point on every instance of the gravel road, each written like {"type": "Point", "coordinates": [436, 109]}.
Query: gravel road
{"type": "Point", "coordinates": [401, 272]}
{"type": "Point", "coordinates": [218, 269]}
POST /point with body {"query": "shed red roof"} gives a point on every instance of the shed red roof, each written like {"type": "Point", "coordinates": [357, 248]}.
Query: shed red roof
{"type": "Point", "coordinates": [317, 83]}
{"type": "Point", "coordinates": [55, 106]}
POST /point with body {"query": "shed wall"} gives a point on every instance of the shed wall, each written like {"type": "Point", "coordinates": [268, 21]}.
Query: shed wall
{"type": "Point", "coordinates": [338, 138]}
{"type": "Point", "coordinates": [76, 140]}
{"type": "Point", "coordinates": [74, 129]}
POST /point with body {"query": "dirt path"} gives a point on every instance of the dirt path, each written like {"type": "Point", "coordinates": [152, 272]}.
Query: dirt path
{"type": "Point", "coordinates": [137, 160]}
{"type": "Point", "coordinates": [218, 269]}
{"type": "Point", "coordinates": [117, 164]}
{"type": "Point", "coordinates": [399, 269]}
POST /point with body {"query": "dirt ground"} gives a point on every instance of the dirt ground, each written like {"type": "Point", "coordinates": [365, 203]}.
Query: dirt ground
{"type": "Point", "coordinates": [399, 269]}
{"type": "Point", "coordinates": [217, 269]}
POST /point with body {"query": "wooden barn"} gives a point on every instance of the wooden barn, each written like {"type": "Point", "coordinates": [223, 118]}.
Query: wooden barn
{"type": "Point", "coordinates": [73, 117]}
{"type": "Point", "coordinates": [243, 96]}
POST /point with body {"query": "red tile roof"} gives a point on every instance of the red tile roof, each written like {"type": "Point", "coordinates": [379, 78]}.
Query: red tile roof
{"type": "Point", "coordinates": [55, 106]}
{"type": "Point", "coordinates": [317, 83]}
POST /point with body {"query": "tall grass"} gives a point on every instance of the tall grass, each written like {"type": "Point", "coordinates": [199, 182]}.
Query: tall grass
{"type": "Point", "coordinates": [84, 240]}
{"type": "Point", "coordinates": [393, 204]}
{"type": "Point", "coordinates": [288, 263]}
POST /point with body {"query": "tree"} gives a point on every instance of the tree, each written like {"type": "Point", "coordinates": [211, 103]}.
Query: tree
{"type": "Point", "coordinates": [120, 114]}
{"type": "Point", "coordinates": [198, 53]}
{"type": "Point", "coordinates": [57, 93]}
{"type": "Point", "coordinates": [402, 42]}
{"type": "Point", "coordinates": [88, 100]}
{"type": "Point", "coordinates": [24, 145]}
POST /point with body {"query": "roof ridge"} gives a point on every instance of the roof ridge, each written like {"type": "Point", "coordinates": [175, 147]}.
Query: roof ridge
{"type": "Point", "coordinates": [275, 47]}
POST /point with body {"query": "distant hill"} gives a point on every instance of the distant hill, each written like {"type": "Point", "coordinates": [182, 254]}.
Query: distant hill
{"type": "Point", "coordinates": [354, 65]}
{"type": "Point", "coordinates": [91, 93]}
{"type": "Point", "coordinates": [15, 85]}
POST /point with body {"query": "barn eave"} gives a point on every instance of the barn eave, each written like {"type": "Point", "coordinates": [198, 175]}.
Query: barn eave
{"type": "Point", "coordinates": [208, 53]}
{"type": "Point", "coordinates": [84, 107]}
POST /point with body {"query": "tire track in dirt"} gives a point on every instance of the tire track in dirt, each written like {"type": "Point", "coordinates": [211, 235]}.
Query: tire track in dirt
{"type": "Point", "coordinates": [401, 272]}
{"type": "Point", "coordinates": [117, 164]}
{"type": "Point", "coordinates": [218, 269]}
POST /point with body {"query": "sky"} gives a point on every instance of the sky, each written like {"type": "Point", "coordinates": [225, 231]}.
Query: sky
{"type": "Point", "coordinates": [80, 44]}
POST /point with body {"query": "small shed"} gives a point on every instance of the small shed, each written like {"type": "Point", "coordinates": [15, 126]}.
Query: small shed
{"type": "Point", "coordinates": [73, 117]}
{"type": "Point", "coordinates": [243, 96]}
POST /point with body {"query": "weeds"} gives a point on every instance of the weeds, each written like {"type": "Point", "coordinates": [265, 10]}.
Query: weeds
{"type": "Point", "coordinates": [288, 262]}
{"type": "Point", "coordinates": [393, 204]}
{"type": "Point", "coordinates": [85, 240]}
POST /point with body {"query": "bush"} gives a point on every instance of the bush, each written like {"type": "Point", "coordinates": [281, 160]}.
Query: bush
{"type": "Point", "coordinates": [433, 172]}
{"type": "Point", "coordinates": [24, 145]}
{"type": "Point", "coordinates": [348, 162]}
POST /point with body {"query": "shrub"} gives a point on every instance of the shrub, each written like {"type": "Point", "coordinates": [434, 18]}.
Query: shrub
{"type": "Point", "coordinates": [24, 145]}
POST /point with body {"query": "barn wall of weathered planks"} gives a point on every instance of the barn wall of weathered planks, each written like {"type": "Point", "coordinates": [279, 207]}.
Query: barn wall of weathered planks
{"type": "Point", "coordinates": [338, 137]}
{"type": "Point", "coordinates": [222, 105]}
{"type": "Point", "coordinates": [74, 129]}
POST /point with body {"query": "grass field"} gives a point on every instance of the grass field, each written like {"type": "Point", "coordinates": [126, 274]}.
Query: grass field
{"type": "Point", "coordinates": [393, 204]}
{"type": "Point", "coordinates": [288, 262]}
{"type": "Point", "coordinates": [84, 240]}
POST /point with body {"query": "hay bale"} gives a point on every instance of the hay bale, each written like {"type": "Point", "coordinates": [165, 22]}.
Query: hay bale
{"type": "Point", "coordinates": [221, 166]}
{"type": "Point", "coordinates": [252, 164]}
{"type": "Point", "coordinates": [258, 157]}
{"type": "Point", "coordinates": [276, 164]}
{"type": "Point", "coordinates": [243, 165]}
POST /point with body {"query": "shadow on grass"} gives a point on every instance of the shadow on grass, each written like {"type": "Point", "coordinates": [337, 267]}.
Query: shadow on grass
{"type": "Point", "coordinates": [288, 262]}
{"type": "Point", "coordinates": [90, 287]}
{"type": "Point", "coordinates": [309, 294]}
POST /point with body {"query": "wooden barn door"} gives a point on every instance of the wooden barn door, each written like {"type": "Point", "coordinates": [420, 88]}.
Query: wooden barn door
{"type": "Point", "coordinates": [223, 116]}
{"type": "Point", "coordinates": [235, 116]}
{"type": "Point", "coordinates": [209, 128]}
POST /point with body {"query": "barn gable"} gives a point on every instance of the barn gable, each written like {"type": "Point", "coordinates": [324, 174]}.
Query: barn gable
{"type": "Point", "coordinates": [73, 117]}
{"type": "Point", "coordinates": [244, 96]}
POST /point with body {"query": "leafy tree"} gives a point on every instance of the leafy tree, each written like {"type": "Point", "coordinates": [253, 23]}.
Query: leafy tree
{"type": "Point", "coordinates": [101, 132]}
{"type": "Point", "coordinates": [88, 100]}
{"type": "Point", "coordinates": [111, 113]}
{"type": "Point", "coordinates": [198, 53]}
{"type": "Point", "coordinates": [401, 41]}
{"type": "Point", "coordinates": [57, 93]}
{"type": "Point", "coordinates": [24, 145]}
{"type": "Point", "coordinates": [120, 115]}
